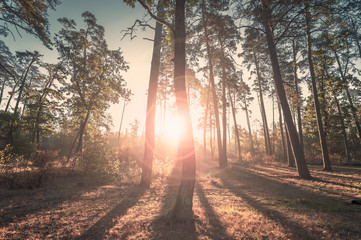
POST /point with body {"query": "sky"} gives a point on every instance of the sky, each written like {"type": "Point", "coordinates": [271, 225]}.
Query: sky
{"type": "Point", "coordinates": [116, 16]}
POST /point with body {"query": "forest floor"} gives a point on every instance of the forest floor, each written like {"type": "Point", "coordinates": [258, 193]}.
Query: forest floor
{"type": "Point", "coordinates": [242, 201]}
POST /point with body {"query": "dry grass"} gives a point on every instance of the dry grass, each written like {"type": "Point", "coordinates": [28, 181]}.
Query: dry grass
{"type": "Point", "coordinates": [239, 202]}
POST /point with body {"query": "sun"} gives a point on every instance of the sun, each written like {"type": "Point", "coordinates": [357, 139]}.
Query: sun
{"type": "Point", "coordinates": [173, 129]}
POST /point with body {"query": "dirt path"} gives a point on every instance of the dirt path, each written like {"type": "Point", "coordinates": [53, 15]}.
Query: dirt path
{"type": "Point", "coordinates": [239, 202]}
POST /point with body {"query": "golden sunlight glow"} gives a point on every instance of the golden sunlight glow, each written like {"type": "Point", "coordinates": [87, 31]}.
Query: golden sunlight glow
{"type": "Point", "coordinates": [173, 129]}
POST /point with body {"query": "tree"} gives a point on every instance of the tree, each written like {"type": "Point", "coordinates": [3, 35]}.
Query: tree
{"type": "Point", "coordinates": [322, 137]}
{"type": "Point", "coordinates": [254, 54]}
{"type": "Point", "coordinates": [182, 209]}
{"type": "Point", "coordinates": [245, 100]}
{"type": "Point", "coordinates": [94, 71]}
{"type": "Point", "coordinates": [30, 16]}
{"type": "Point", "coordinates": [266, 19]}
{"type": "Point", "coordinates": [151, 103]}
{"type": "Point", "coordinates": [221, 155]}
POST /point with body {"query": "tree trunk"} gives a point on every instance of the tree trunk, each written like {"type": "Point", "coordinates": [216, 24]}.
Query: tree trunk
{"type": "Point", "coordinates": [299, 103]}
{"type": "Point", "coordinates": [281, 131]}
{"type": "Point", "coordinates": [121, 121]}
{"type": "Point", "coordinates": [2, 89]}
{"type": "Point", "coordinates": [235, 125]}
{"type": "Point", "coordinates": [221, 156]}
{"type": "Point", "coordinates": [321, 133]}
{"type": "Point", "coordinates": [73, 145]}
{"type": "Point", "coordinates": [182, 209]}
{"type": "Point", "coordinates": [356, 37]}
{"type": "Point", "coordinates": [211, 137]}
{"type": "Point", "coordinates": [296, 147]}
{"type": "Point", "coordinates": [262, 108]}
{"type": "Point", "coordinates": [224, 106]}
{"type": "Point", "coordinates": [151, 105]}
{"type": "Point", "coordinates": [249, 128]}
{"type": "Point", "coordinates": [81, 132]}
{"type": "Point", "coordinates": [347, 149]}
{"type": "Point", "coordinates": [290, 158]}
{"type": "Point", "coordinates": [353, 108]}
{"type": "Point", "coordinates": [23, 83]}
{"type": "Point", "coordinates": [205, 125]}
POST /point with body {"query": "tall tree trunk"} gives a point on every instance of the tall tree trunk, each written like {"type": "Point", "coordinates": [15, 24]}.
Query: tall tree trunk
{"type": "Point", "coordinates": [343, 128]}
{"type": "Point", "coordinates": [11, 96]}
{"type": "Point", "coordinates": [221, 156]}
{"type": "Point", "coordinates": [349, 98]}
{"type": "Point", "coordinates": [23, 83]}
{"type": "Point", "coordinates": [151, 104]}
{"type": "Point", "coordinates": [290, 158]}
{"type": "Point", "coordinates": [321, 132]}
{"type": "Point", "coordinates": [73, 145]}
{"type": "Point", "coordinates": [224, 106]}
{"type": "Point", "coordinates": [10, 133]}
{"type": "Point", "coordinates": [249, 128]}
{"type": "Point", "coordinates": [299, 102]}
{"type": "Point", "coordinates": [81, 132]}
{"type": "Point", "coordinates": [211, 136]}
{"type": "Point", "coordinates": [281, 131]}
{"type": "Point", "coordinates": [2, 89]}
{"type": "Point", "coordinates": [36, 130]}
{"type": "Point", "coordinates": [235, 125]}
{"type": "Point", "coordinates": [263, 111]}
{"type": "Point", "coordinates": [205, 124]}
{"type": "Point", "coordinates": [121, 121]}
{"type": "Point", "coordinates": [356, 37]}
{"type": "Point", "coordinates": [182, 210]}
{"type": "Point", "coordinates": [296, 148]}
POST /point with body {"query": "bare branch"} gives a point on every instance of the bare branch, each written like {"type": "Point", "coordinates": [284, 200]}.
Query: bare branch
{"type": "Point", "coordinates": [132, 30]}
{"type": "Point", "coordinates": [149, 39]}
{"type": "Point", "coordinates": [257, 29]}
{"type": "Point", "coordinates": [161, 21]}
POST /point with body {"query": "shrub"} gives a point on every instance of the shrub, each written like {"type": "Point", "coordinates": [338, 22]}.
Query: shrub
{"type": "Point", "coordinates": [17, 172]}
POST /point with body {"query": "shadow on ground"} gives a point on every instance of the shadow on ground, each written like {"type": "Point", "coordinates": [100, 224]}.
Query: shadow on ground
{"type": "Point", "coordinates": [101, 227]}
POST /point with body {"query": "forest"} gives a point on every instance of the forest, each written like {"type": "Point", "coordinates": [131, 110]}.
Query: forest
{"type": "Point", "coordinates": [248, 126]}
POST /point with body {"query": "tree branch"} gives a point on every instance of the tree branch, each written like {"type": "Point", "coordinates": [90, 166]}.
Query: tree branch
{"type": "Point", "coordinates": [131, 30]}
{"type": "Point", "coordinates": [161, 21]}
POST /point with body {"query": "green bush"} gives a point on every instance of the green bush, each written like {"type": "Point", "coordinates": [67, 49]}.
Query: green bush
{"type": "Point", "coordinates": [18, 172]}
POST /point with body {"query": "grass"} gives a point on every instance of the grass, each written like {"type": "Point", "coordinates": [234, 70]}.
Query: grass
{"type": "Point", "coordinates": [243, 201]}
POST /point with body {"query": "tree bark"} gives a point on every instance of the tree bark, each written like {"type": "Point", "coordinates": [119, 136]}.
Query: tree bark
{"type": "Point", "coordinates": [290, 158]}
{"type": "Point", "coordinates": [249, 128]}
{"type": "Point", "coordinates": [2, 89]}
{"type": "Point", "coordinates": [262, 108]}
{"type": "Point", "coordinates": [151, 105]}
{"type": "Point", "coordinates": [182, 210]}
{"type": "Point", "coordinates": [221, 157]}
{"type": "Point", "coordinates": [299, 117]}
{"type": "Point", "coordinates": [281, 131]}
{"type": "Point", "coordinates": [347, 148]}
{"type": "Point", "coordinates": [321, 132]}
{"type": "Point", "coordinates": [235, 125]}
{"type": "Point", "coordinates": [121, 121]}
{"type": "Point", "coordinates": [353, 108]}
{"type": "Point", "coordinates": [296, 147]}
{"type": "Point", "coordinates": [205, 124]}
{"type": "Point", "coordinates": [81, 132]}
{"type": "Point", "coordinates": [224, 106]}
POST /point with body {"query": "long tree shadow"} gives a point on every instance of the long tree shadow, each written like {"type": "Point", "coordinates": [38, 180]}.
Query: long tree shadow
{"type": "Point", "coordinates": [218, 230]}
{"type": "Point", "coordinates": [253, 186]}
{"type": "Point", "coordinates": [160, 228]}
{"type": "Point", "coordinates": [32, 204]}
{"type": "Point", "coordinates": [108, 221]}
{"type": "Point", "coordinates": [315, 179]}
